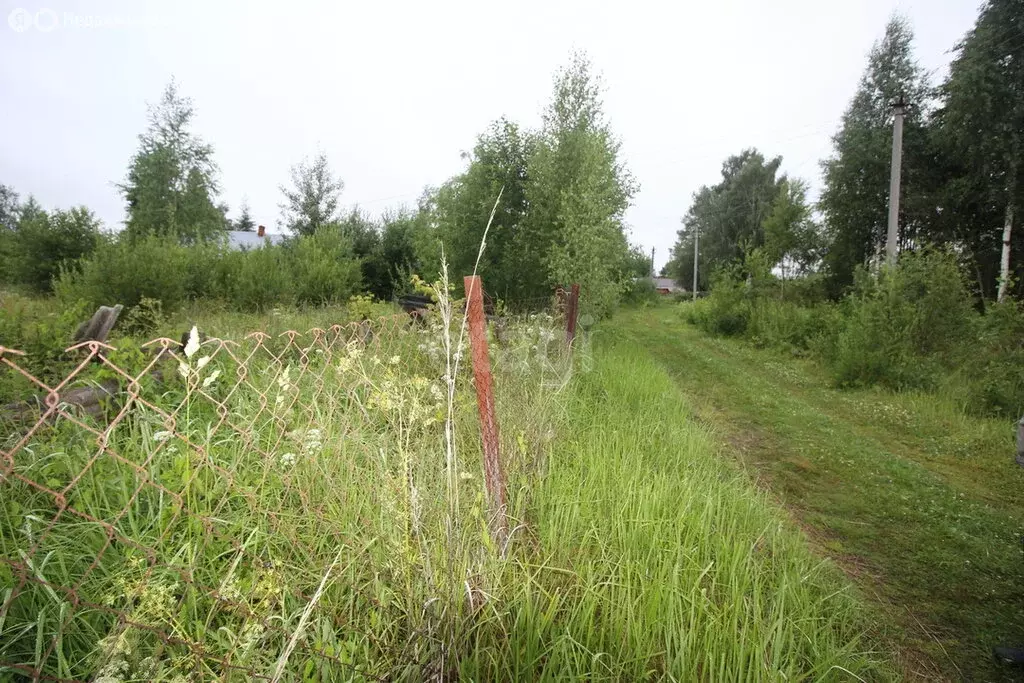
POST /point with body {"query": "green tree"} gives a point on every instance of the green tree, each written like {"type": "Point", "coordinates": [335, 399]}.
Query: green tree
{"type": "Point", "coordinates": [637, 262]}
{"type": "Point", "coordinates": [43, 243]}
{"type": "Point", "coordinates": [245, 223]}
{"type": "Point", "coordinates": [398, 250]}
{"type": "Point", "coordinates": [577, 192]}
{"type": "Point", "coordinates": [855, 196]}
{"type": "Point", "coordinates": [462, 207]}
{"type": "Point", "coordinates": [791, 239]}
{"type": "Point", "coordinates": [312, 201]}
{"type": "Point", "coordinates": [982, 127]}
{"type": "Point", "coordinates": [172, 179]}
{"type": "Point", "coordinates": [729, 217]}
{"type": "Point", "coordinates": [9, 208]}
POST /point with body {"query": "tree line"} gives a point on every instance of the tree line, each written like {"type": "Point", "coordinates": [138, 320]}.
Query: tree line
{"type": "Point", "coordinates": [962, 182]}
{"type": "Point", "coordinates": [564, 191]}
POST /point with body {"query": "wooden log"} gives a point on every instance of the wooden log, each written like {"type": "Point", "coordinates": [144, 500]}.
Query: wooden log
{"type": "Point", "coordinates": [98, 327]}
{"type": "Point", "coordinates": [88, 399]}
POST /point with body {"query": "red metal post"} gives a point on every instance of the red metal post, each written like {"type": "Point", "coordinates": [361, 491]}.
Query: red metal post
{"type": "Point", "coordinates": [571, 313]}
{"type": "Point", "coordinates": [494, 476]}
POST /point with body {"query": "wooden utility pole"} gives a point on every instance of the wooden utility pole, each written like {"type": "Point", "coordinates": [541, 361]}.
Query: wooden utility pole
{"type": "Point", "coordinates": [652, 263]}
{"type": "Point", "coordinates": [696, 246]}
{"type": "Point", "coordinates": [892, 237]}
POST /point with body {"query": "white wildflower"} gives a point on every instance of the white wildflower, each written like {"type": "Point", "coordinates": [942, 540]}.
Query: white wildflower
{"type": "Point", "coordinates": [184, 370]}
{"type": "Point", "coordinates": [464, 476]}
{"type": "Point", "coordinates": [161, 436]}
{"type": "Point", "coordinates": [201, 363]}
{"type": "Point", "coordinates": [395, 360]}
{"type": "Point", "coordinates": [193, 342]}
{"type": "Point", "coordinates": [288, 459]}
{"type": "Point", "coordinates": [211, 378]}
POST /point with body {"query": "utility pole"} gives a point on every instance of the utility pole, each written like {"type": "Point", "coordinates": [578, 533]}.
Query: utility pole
{"type": "Point", "coordinates": [892, 237]}
{"type": "Point", "coordinates": [652, 263]}
{"type": "Point", "coordinates": [696, 249]}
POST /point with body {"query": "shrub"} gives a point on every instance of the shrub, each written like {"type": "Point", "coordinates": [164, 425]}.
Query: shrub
{"type": "Point", "coordinates": [324, 269]}
{"type": "Point", "coordinates": [44, 243]}
{"type": "Point", "coordinates": [726, 310]}
{"type": "Point", "coordinates": [42, 330]}
{"type": "Point", "coordinates": [992, 380]}
{"type": "Point", "coordinates": [907, 325]}
{"type": "Point", "coordinates": [125, 271]}
{"type": "Point", "coordinates": [784, 324]}
{"type": "Point", "coordinates": [255, 280]}
{"type": "Point", "coordinates": [640, 291]}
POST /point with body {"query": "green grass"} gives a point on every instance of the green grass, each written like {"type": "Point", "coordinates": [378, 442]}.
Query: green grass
{"type": "Point", "coordinates": [640, 551]}
{"type": "Point", "coordinates": [922, 505]}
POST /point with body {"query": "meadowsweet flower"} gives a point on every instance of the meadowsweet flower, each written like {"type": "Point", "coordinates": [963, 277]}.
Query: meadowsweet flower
{"type": "Point", "coordinates": [288, 460]}
{"type": "Point", "coordinates": [193, 342]}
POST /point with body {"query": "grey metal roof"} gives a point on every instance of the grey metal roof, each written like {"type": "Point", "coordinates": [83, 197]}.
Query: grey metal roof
{"type": "Point", "coordinates": [666, 283]}
{"type": "Point", "coordinates": [240, 239]}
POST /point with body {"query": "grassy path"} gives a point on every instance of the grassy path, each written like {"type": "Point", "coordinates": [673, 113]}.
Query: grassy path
{"type": "Point", "coordinates": [922, 506]}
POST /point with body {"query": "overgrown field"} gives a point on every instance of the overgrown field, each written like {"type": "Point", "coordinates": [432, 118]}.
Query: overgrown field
{"type": "Point", "coordinates": [291, 508]}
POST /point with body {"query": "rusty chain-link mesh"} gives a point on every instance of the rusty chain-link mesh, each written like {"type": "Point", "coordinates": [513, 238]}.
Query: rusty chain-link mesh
{"type": "Point", "coordinates": [229, 510]}
{"type": "Point", "coordinates": [160, 524]}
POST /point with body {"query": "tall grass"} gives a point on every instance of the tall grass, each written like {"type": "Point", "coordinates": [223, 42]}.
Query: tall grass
{"type": "Point", "coordinates": [659, 561]}
{"type": "Point", "coordinates": [302, 526]}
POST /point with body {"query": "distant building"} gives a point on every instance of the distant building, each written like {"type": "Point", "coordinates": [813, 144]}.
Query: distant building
{"type": "Point", "coordinates": [239, 240]}
{"type": "Point", "coordinates": [666, 286]}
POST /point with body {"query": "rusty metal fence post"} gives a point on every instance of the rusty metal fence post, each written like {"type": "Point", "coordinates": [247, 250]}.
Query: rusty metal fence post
{"type": "Point", "coordinates": [571, 314]}
{"type": "Point", "coordinates": [494, 476]}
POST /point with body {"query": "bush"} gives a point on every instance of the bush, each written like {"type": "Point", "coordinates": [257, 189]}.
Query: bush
{"type": "Point", "coordinates": [906, 326]}
{"type": "Point", "coordinates": [317, 270]}
{"type": "Point", "coordinates": [125, 271]}
{"type": "Point", "coordinates": [640, 291]}
{"type": "Point", "coordinates": [255, 280]}
{"type": "Point", "coordinates": [992, 380]}
{"type": "Point", "coordinates": [726, 311]}
{"type": "Point", "coordinates": [44, 243]}
{"type": "Point", "coordinates": [324, 269]}
{"type": "Point", "coordinates": [42, 330]}
{"type": "Point", "coordinates": [784, 324]}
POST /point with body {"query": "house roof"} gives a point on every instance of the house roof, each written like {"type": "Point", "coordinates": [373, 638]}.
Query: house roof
{"type": "Point", "coordinates": [241, 239]}
{"type": "Point", "coordinates": [666, 283]}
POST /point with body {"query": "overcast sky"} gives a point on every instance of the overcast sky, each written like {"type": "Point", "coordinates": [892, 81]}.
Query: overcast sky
{"type": "Point", "coordinates": [393, 92]}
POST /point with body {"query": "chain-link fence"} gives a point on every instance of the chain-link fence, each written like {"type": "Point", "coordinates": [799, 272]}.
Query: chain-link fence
{"type": "Point", "coordinates": [204, 509]}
